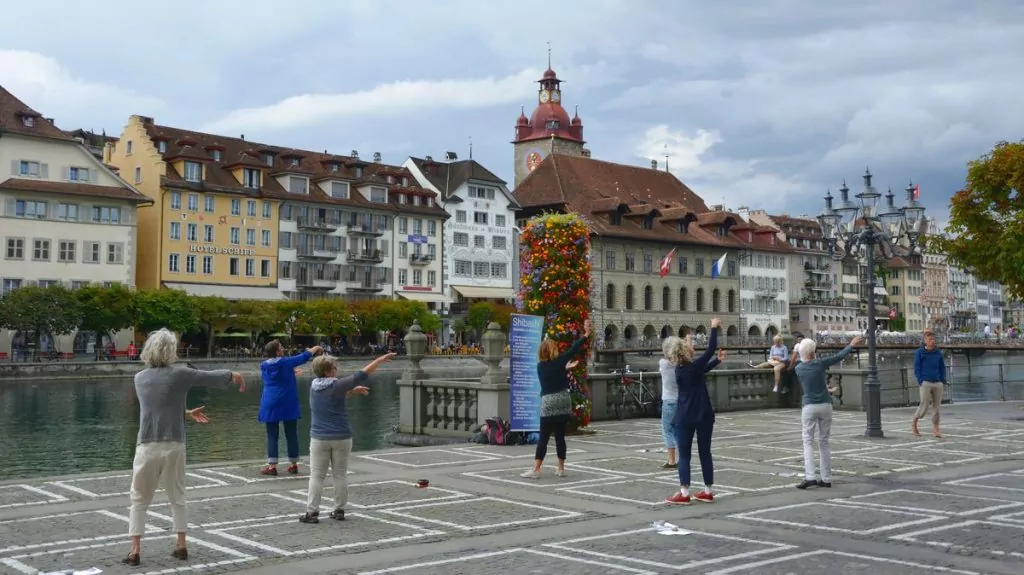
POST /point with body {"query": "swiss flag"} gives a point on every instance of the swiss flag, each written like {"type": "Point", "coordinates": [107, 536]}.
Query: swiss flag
{"type": "Point", "coordinates": [666, 264]}
{"type": "Point", "coordinates": [917, 191]}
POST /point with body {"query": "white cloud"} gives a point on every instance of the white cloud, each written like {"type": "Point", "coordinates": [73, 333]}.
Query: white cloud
{"type": "Point", "coordinates": [401, 97]}
{"type": "Point", "coordinates": [42, 83]}
{"type": "Point", "coordinates": [683, 150]}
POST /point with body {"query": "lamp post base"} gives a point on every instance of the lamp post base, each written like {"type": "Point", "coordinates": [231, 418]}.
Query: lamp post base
{"type": "Point", "coordinates": [873, 405]}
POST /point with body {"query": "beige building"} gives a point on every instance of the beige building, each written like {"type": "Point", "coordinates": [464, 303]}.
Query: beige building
{"type": "Point", "coordinates": [638, 216]}
{"type": "Point", "coordinates": [65, 218]}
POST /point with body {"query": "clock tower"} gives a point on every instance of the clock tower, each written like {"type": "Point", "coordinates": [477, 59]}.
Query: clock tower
{"type": "Point", "coordinates": [548, 130]}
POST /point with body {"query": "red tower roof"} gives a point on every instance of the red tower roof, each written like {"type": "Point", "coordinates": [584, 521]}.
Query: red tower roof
{"type": "Point", "coordinates": [549, 118]}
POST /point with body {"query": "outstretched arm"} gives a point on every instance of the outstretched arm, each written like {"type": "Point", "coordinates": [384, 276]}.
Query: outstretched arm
{"type": "Point", "coordinates": [709, 353]}
{"type": "Point", "coordinates": [294, 361]}
{"type": "Point", "coordinates": [830, 361]}
{"type": "Point", "coordinates": [350, 382]}
{"type": "Point", "coordinates": [576, 346]}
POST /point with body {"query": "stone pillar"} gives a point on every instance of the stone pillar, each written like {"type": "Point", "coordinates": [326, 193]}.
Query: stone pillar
{"type": "Point", "coordinates": [494, 352]}
{"type": "Point", "coordinates": [415, 349]}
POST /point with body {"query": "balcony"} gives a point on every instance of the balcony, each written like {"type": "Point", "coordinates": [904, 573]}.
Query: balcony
{"type": "Point", "coordinates": [767, 293]}
{"type": "Point", "coordinates": [364, 229]}
{"type": "Point", "coordinates": [325, 225]}
{"type": "Point", "coordinates": [369, 256]}
{"type": "Point", "coordinates": [420, 259]}
{"type": "Point", "coordinates": [317, 253]}
{"type": "Point", "coordinates": [818, 285]}
{"type": "Point", "coordinates": [316, 283]}
{"type": "Point", "coordinates": [365, 286]}
{"type": "Point", "coordinates": [817, 269]}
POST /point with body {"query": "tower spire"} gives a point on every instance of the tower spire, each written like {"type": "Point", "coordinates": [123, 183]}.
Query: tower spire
{"type": "Point", "coordinates": [471, 147]}
{"type": "Point", "coordinates": [549, 54]}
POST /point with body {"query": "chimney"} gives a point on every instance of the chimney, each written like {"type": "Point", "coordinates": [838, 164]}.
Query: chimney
{"type": "Point", "coordinates": [744, 212]}
{"type": "Point", "coordinates": [585, 152]}
{"type": "Point", "coordinates": [242, 137]}
{"type": "Point", "coordinates": [376, 157]}
{"type": "Point", "coordinates": [429, 159]}
{"type": "Point", "coordinates": [716, 208]}
{"type": "Point", "coordinates": [654, 164]}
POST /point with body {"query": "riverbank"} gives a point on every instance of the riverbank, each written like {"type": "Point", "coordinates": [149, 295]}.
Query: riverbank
{"type": "Point", "coordinates": [898, 506]}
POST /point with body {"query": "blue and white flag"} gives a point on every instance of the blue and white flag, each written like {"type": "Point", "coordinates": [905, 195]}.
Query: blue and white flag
{"type": "Point", "coordinates": [718, 266]}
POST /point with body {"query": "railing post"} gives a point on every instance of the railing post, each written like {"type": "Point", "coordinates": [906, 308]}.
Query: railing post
{"type": "Point", "coordinates": [415, 349]}
{"type": "Point", "coordinates": [1002, 384]}
{"type": "Point", "coordinates": [493, 352]}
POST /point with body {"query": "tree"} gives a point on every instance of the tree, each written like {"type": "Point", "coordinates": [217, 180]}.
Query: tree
{"type": "Point", "coordinates": [330, 316]}
{"type": "Point", "coordinates": [481, 314]}
{"type": "Point", "coordinates": [986, 219]}
{"type": "Point", "coordinates": [366, 317]}
{"type": "Point", "coordinates": [213, 314]}
{"type": "Point", "coordinates": [105, 309]}
{"type": "Point", "coordinates": [164, 308]}
{"type": "Point", "coordinates": [51, 310]}
{"type": "Point", "coordinates": [256, 316]}
{"type": "Point", "coordinates": [292, 317]}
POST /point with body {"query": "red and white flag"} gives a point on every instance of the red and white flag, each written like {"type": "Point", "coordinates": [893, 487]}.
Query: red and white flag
{"type": "Point", "coordinates": [666, 264]}
{"type": "Point", "coordinates": [917, 191]}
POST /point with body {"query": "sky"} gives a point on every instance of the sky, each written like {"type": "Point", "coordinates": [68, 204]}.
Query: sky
{"type": "Point", "coordinates": [760, 103]}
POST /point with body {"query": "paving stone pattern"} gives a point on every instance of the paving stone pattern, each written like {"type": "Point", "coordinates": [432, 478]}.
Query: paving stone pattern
{"type": "Point", "coordinates": [900, 505]}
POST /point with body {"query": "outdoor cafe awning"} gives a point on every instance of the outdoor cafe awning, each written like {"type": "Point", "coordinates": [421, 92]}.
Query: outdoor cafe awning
{"type": "Point", "coordinates": [484, 292]}
{"type": "Point", "coordinates": [425, 297]}
{"type": "Point", "coordinates": [229, 292]}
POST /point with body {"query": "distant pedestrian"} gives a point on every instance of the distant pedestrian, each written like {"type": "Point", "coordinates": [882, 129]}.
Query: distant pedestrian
{"type": "Point", "coordinates": [778, 360]}
{"type": "Point", "coordinates": [694, 416]}
{"type": "Point", "coordinates": [330, 434]}
{"type": "Point", "coordinates": [930, 371]}
{"type": "Point", "coordinates": [279, 404]}
{"type": "Point", "coordinates": [816, 414]}
{"type": "Point", "coordinates": [555, 399]}
{"type": "Point", "coordinates": [162, 389]}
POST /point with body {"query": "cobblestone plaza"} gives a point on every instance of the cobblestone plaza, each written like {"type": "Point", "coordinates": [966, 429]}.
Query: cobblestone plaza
{"type": "Point", "coordinates": [902, 505]}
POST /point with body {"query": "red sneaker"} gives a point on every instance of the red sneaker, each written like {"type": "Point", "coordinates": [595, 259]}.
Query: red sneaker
{"type": "Point", "coordinates": [293, 469]}
{"type": "Point", "coordinates": [269, 470]}
{"type": "Point", "coordinates": [678, 499]}
{"type": "Point", "coordinates": [705, 496]}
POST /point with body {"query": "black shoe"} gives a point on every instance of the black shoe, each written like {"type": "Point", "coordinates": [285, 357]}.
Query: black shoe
{"type": "Point", "coordinates": [805, 484]}
{"type": "Point", "coordinates": [824, 483]}
{"type": "Point", "coordinates": [309, 518]}
{"type": "Point", "coordinates": [338, 514]}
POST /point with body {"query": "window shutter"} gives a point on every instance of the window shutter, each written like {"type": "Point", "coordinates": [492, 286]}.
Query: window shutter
{"type": "Point", "coordinates": [384, 248]}
{"type": "Point", "coordinates": [11, 206]}
{"type": "Point", "coordinates": [65, 173]}
{"type": "Point", "coordinates": [44, 171]}
{"type": "Point", "coordinates": [15, 168]}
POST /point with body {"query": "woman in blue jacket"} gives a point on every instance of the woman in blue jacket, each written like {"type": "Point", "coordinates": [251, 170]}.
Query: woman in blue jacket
{"type": "Point", "coordinates": [694, 416]}
{"type": "Point", "coordinates": [280, 402]}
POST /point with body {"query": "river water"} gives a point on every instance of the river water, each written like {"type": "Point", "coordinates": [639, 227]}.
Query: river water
{"type": "Point", "coordinates": [63, 427]}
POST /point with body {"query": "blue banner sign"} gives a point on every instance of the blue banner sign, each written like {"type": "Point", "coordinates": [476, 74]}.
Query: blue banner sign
{"type": "Point", "coordinates": [524, 339]}
{"type": "Point", "coordinates": [416, 239]}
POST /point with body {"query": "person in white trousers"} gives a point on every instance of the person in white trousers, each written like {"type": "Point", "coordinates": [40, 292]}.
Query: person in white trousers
{"type": "Point", "coordinates": [330, 434]}
{"type": "Point", "coordinates": [816, 415]}
{"type": "Point", "coordinates": [162, 389]}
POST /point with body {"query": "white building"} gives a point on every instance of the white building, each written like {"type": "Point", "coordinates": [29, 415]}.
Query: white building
{"type": "Point", "coordinates": [66, 217]}
{"type": "Point", "coordinates": [963, 300]}
{"type": "Point", "coordinates": [989, 305]}
{"type": "Point", "coordinates": [480, 255]}
{"type": "Point", "coordinates": [764, 292]}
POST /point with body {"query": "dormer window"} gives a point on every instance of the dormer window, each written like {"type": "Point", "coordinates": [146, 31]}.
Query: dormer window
{"type": "Point", "coordinates": [216, 155]}
{"type": "Point", "coordinates": [615, 218]}
{"type": "Point", "coordinates": [379, 195]}
{"type": "Point", "coordinates": [268, 158]}
{"type": "Point", "coordinates": [251, 178]}
{"type": "Point", "coordinates": [335, 167]}
{"type": "Point", "coordinates": [405, 182]}
{"type": "Point", "coordinates": [750, 236]}
{"type": "Point", "coordinates": [648, 222]}
{"type": "Point", "coordinates": [294, 162]}
{"type": "Point", "coordinates": [720, 231]}
{"type": "Point", "coordinates": [391, 179]}
{"type": "Point", "coordinates": [193, 172]}
{"type": "Point", "coordinates": [359, 171]}
{"type": "Point", "coordinates": [298, 185]}
{"type": "Point", "coordinates": [552, 124]}
{"type": "Point", "coordinates": [339, 190]}
{"type": "Point", "coordinates": [401, 198]}
{"type": "Point", "coordinates": [161, 147]}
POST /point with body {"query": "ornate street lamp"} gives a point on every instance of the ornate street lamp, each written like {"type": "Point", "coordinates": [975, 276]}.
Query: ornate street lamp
{"type": "Point", "coordinates": [852, 230]}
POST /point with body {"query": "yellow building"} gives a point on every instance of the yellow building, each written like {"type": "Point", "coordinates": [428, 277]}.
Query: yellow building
{"type": "Point", "coordinates": [906, 290]}
{"type": "Point", "coordinates": [213, 227]}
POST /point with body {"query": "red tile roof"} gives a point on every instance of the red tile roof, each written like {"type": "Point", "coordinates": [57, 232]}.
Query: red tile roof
{"type": "Point", "coordinates": [238, 152]}
{"type": "Point", "coordinates": [596, 189]}
{"type": "Point", "coordinates": [73, 189]}
{"type": "Point", "coordinates": [16, 117]}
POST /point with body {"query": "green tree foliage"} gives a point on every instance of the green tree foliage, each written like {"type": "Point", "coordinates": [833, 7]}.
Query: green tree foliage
{"type": "Point", "coordinates": [330, 317]}
{"type": "Point", "coordinates": [164, 308]}
{"type": "Point", "coordinates": [213, 314]}
{"type": "Point", "coordinates": [105, 309]}
{"type": "Point", "coordinates": [292, 318]}
{"type": "Point", "coordinates": [483, 313]}
{"type": "Point", "coordinates": [986, 219]}
{"type": "Point", "coordinates": [49, 310]}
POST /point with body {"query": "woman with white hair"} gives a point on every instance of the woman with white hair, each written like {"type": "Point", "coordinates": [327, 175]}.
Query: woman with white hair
{"type": "Point", "coordinates": [674, 347]}
{"type": "Point", "coordinates": [162, 389]}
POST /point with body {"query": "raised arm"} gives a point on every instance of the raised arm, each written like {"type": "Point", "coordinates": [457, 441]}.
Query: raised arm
{"type": "Point", "coordinates": [294, 361]}
{"type": "Point", "coordinates": [576, 346]}
{"type": "Point", "coordinates": [709, 353]}
{"type": "Point", "coordinates": [830, 361]}
{"type": "Point", "coordinates": [350, 382]}
{"type": "Point", "coordinates": [716, 362]}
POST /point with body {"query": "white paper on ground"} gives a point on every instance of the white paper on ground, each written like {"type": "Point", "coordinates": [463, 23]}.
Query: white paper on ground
{"type": "Point", "coordinates": [665, 528]}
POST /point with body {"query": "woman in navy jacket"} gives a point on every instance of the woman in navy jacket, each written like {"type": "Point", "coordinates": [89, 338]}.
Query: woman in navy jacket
{"type": "Point", "coordinates": [280, 402]}
{"type": "Point", "coordinates": [695, 416]}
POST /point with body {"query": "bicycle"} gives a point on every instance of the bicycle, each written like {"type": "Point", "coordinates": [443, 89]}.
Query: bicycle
{"type": "Point", "coordinates": [638, 392]}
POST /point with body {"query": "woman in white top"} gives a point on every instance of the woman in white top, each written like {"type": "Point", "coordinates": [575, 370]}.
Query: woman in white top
{"type": "Point", "coordinates": [670, 390]}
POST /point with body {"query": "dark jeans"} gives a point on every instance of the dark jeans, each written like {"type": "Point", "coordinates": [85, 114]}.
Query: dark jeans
{"type": "Point", "coordinates": [554, 427]}
{"type": "Point", "coordinates": [291, 437]}
{"type": "Point", "coordinates": [684, 439]}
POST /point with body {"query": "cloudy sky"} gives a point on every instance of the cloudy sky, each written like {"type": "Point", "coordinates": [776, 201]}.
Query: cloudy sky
{"type": "Point", "coordinates": [763, 103]}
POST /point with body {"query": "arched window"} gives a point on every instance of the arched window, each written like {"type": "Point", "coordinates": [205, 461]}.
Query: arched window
{"type": "Point", "coordinates": [683, 299]}
{"type": "Point", "coordinates": [648, 298]}
{"type": "Point", "coordinates": [732, 301]}
{"type": "Point", "coordinates": [716, 300]}
{"type": "Point", "coordinates": [609, 296]}
{"type": "Point", "coordinates": [666, 299]}
{"type": "Point", "coordinates": [629, 297]}
{"type": "Point", "coordinates": [700, 299]}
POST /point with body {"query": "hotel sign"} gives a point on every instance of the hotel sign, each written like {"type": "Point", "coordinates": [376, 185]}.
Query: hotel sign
{"type": "Point", "coordinates": [207, 249]}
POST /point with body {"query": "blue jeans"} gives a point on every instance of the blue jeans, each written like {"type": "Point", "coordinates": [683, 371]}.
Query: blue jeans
{"type": "Point", "coordinates": [684, 437]}
{"type": "Point", "coordinates": [291, 438]}
{"type": "Point", "coordinates": [668, 431]}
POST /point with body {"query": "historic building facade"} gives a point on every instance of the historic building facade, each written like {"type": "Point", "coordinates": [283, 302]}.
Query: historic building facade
{"type": "Point", "coordinates": [65, 218]}
{"type": "Point", "coordinates": [547, 131]}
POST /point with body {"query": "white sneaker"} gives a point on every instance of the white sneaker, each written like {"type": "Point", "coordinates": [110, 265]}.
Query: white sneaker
{"type": "Point", "coordinates": [560, 473]}
{"type": "Point", "coordinates": [530, 474]}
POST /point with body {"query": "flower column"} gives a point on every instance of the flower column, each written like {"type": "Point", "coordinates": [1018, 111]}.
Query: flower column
{"type": "Point", "coordinates": [555, 283]}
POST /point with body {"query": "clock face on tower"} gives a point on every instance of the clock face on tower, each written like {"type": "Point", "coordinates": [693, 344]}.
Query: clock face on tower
{"type": "Point", "coordinates": [556, 96]}
{"type": "Point", "coordinates": [533, 159]}
{"type": "Point", "coordinates": [544, 96]}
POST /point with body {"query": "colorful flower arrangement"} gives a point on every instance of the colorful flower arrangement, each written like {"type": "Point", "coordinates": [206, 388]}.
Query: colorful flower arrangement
{"type": "Point", "coordinates": [555, 282]}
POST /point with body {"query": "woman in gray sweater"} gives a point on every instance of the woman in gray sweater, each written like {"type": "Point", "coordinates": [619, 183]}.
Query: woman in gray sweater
{"type": "Point", "coordinates": [162, 389]}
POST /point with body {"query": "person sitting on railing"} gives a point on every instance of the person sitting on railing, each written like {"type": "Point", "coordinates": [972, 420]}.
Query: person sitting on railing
{"type": "Point", "coordinates": [694, 416]}
{"type": "Point", "coordinates": [816, 414]}
{"type": "Point", "coordinates": [778, 360]}
{"type": "Point", "coordinates": [280, 402]}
